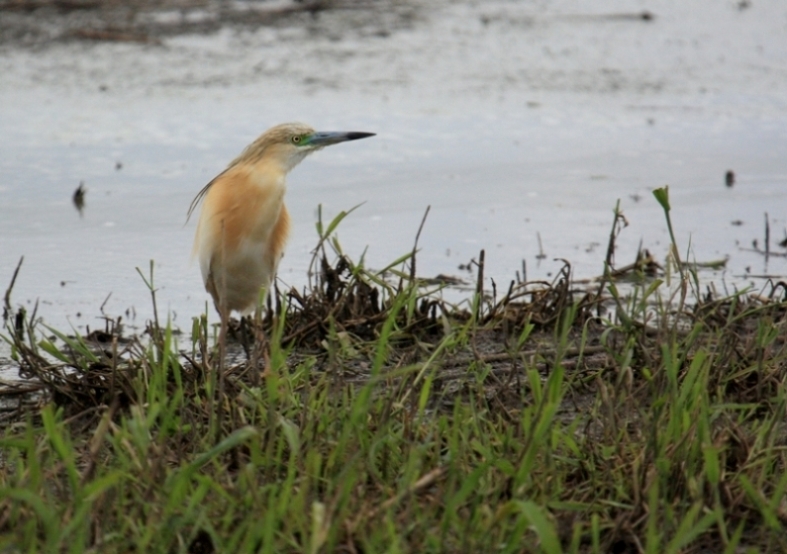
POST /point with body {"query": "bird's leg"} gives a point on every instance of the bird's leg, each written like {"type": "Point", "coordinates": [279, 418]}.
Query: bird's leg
{"type": "Point", "coordinates": [260, 348]}
{"type": "Point", "coordinates": [266, 351]}
{"type": "Point", "coordinates": [224, 314]}
{"type": "Point", "coordinates": [246, 331]}
{"type": "Point", "coordinates": [223, 329]}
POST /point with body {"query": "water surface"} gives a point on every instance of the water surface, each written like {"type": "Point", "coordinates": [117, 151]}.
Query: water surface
{"type": "Point", "coordinates": [511, 120]}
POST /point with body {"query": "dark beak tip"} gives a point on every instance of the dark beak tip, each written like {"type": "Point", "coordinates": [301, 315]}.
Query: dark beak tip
{"type": "Point", "coordinates": [355, 135]}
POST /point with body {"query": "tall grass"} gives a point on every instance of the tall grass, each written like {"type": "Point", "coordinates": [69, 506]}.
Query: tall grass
{"type": "Point", "coordinates": [510, 426]}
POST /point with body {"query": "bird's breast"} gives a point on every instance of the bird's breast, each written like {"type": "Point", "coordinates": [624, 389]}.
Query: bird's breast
{"type": "Point", "coordinates": [245, 205]}
{"type": "Point", "coordinates": [261, 203]}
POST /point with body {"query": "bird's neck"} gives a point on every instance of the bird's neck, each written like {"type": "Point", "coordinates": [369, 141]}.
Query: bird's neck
{"type": "Point", "coordinates": [271, 167]}
{"type": "Point", "coordinates": [281, 159]}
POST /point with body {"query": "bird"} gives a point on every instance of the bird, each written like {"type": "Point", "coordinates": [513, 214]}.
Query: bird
{"type": "Point", "coordinates": [244, 223]}
{"type": "Point", "coordinates": [78, 198]}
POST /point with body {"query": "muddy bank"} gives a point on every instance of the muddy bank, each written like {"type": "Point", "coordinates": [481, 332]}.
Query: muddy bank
{"type": "Point", "coordinates": [32, 23]}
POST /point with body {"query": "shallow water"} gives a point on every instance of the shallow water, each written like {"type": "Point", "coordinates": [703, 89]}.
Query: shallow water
{"type": "Point", "coordinates": [511, 120]}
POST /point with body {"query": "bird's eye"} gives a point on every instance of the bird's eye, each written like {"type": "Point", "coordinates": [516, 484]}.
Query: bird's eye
{"type": "Point", "coordinates": [296, 139]}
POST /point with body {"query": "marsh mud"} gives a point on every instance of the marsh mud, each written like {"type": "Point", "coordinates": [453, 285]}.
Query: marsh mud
{"type": "Point", "coordinates": [520, 123]}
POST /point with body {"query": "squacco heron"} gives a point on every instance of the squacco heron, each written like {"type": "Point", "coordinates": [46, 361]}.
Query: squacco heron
{"type": "Point", "coordinates": [243, 225]}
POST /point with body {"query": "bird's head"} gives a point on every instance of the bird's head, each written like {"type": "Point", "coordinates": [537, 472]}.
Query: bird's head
{"type": "Point", "coordinates": [288, 143]}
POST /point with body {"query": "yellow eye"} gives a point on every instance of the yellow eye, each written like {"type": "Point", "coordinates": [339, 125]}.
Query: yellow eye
{"type": "Point", "coordinates": [296, 139]}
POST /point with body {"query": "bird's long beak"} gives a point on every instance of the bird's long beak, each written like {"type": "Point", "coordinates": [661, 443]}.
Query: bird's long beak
{"type": "Point", "coordinates": [328, 138]}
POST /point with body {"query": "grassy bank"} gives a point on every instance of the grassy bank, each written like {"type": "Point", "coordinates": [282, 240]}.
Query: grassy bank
{"type": "Point", "coordinates": [371, 416]}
